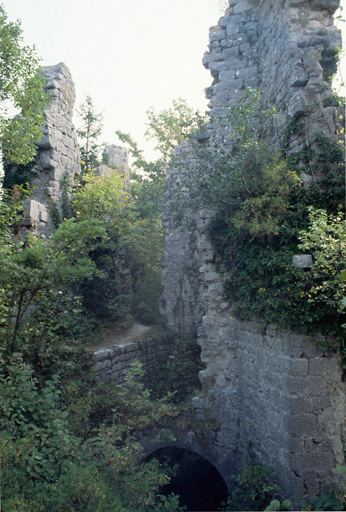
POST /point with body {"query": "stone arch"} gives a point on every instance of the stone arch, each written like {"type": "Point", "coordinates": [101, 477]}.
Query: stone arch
{"type": "Point", "coordinates": [198, 482]}
{"type": "Point", "coordinates": [224, 460]}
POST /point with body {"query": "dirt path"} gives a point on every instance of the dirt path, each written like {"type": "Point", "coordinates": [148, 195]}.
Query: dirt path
{"type": "Point", "coordinates": [111, 337]}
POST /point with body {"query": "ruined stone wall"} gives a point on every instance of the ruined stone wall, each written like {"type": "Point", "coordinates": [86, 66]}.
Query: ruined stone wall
{"type": "Point", "coordinates": [273, 393]}
{"type": "Point", "coordinates": [58, 157]}
{"type": "Point", "coordinates": [112, 362]}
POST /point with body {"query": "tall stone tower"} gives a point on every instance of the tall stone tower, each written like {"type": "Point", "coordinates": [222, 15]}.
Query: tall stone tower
{"type": "Point", "coordinates": [58, 158]}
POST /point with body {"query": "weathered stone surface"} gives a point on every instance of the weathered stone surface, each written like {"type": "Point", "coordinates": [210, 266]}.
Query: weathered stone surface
{"type": "Point", "coordinates": [117, 157]}
{"type": "Point", "coordinates": [302, 260]}
{"type": "Point", "coordinates": [112, 362]}
{"type": "Point", "coordinates": [58, 156]}
{"type": "Point", "coordinates": [276, 391]}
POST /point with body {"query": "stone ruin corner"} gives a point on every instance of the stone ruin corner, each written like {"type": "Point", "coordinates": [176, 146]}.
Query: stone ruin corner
{"type": "Point", "coordinates": [273, 391]}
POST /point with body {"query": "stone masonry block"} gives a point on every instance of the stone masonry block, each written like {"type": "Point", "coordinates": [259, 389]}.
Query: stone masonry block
{"type": "Point", "coordinates": [321, 402]}
{"type": "Point", "coordinates": [309, 386]}
{"type": "Point", "coordinates": [305, 425]}
{"type": "Point", "coordinates": [243, 6]}
{"type": "Point", "coordinates": [323, 366]}
{"type": "Point", "coordinates": [300, 367]}
{"type": "Point", "coordinates": [301, 346]}
{"type": "Point", "coordinates": [101, 354]}
{"type": "Point", "coordinates": [316, 461]}
{"type": "Point", "coordinates": [302, 405]}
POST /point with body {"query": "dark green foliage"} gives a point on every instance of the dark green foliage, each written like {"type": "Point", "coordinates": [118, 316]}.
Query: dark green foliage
{"type": "Point", "coordinates": [324, 501]}
{"type": "Point", "coordinates": [69, 444]}
{"type": "Point", "coordinates": [262, 281]}
{"type": "Point", "coordinates": [105, 295]}
{"type": "Point", "coordinates": [89, 132]}
{"type": "Point", "coordinates": [66, 441]}
{"type": "Point", "coordinates": [254, 488]}
{"type": "Point", "coordinates": [179, 376]}
{"type": "Point", "coordinates": [18, 174]}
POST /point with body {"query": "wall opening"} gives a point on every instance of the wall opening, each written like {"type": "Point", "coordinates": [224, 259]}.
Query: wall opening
{"type": "Point", "coordinates": [198, 483]}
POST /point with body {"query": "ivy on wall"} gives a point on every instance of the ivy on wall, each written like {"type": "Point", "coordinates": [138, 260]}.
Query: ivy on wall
{"type": "Point", "coordinates": [264, 214]}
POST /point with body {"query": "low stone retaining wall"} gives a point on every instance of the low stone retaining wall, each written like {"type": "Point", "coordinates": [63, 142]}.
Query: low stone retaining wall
{"type": "Point", "coordinates": [112, 362]}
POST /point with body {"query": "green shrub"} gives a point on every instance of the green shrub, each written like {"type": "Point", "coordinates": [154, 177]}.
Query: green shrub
{"type": "Point", "coordinates": [254, 488]}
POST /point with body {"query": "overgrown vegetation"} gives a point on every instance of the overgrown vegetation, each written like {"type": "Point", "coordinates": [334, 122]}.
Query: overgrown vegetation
{"type": "Point", "coordinates": [255, 488]}
{"type": "Point", "coordinates": [67, 442]}
{"type": "Point", "coordinates": [178, 377]}
{"type": "Point", "coordinates": [264, 215]}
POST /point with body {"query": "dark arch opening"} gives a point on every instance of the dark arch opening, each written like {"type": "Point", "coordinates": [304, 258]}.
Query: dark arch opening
{"type": "Point", "coordinates": [198, 483]}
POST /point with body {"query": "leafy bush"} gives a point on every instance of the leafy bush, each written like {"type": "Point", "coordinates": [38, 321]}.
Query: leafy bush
{"type": "Point", "coordinates": [324, 501]}
{"type": "Point", "coordinates": [254, 488]}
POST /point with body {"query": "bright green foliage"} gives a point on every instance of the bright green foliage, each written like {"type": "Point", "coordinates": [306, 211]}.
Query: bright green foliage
{"type": "Point", "coordinates": [102, 197]}
{"type": "Point", "coordinates": [22, 88]}
{"type": "Point", "coordinates": [34, 415]}
{"type": "Point", "coordinates": [171, 127]}
{"type": "Point", "coordinates": [89, 133]}
{"type": "Point", "coordinates": [235, 172]}
{"type": "Point", "coordinates": [326, 241]}
{"type": "Point", "coordinates": [277, 505]}
{"type": "Point", "coordinates": [35, 278]}
{"type": "Point", "coordinates": [128, 238]}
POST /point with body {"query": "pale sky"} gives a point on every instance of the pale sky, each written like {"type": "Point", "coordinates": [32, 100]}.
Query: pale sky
{"type": "Point", "coordinates": [128, 55]}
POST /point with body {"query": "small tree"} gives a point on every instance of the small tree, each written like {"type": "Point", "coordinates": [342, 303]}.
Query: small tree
{"type": "Point", "coordinates": [89, 133]}
{"type": "Point", "coordinates": [172, 126]}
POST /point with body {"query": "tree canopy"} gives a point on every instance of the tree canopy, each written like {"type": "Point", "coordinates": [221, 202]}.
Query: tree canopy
{"type": "Point", "coordinates": [22, 94]}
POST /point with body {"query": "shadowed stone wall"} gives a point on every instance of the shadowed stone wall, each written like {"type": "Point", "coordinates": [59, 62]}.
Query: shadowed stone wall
{"type": "Point", "coordinates": [112, 362]}
{"type": "Point", "coordinates": [274, 394]}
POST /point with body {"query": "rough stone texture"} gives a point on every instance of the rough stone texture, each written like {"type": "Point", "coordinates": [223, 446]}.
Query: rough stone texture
{"type": "Point", "coordinates": [112, 362]}
{"type": "Point", "coordinates": [58, 152]}
{"type": "Point", "coordinates": [117, 157]}
{"type": "Point", "coordinates": [302, 261]}
{"type": "Point", "coordinates": [273, 393]}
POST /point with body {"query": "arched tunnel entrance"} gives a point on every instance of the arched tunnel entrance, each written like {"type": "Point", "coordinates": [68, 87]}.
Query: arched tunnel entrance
{"type": "Point", "coordinates": [198, 483]}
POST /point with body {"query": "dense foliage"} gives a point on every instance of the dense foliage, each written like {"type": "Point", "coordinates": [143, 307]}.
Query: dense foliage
{"type": "Point", "coordinates": [67, 441]}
